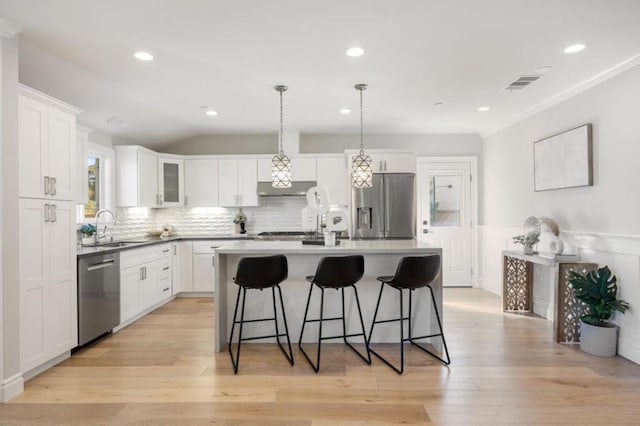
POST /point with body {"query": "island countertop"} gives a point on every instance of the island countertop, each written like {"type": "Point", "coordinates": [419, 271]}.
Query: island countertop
{"type": "Point", "coordinates": [345, 247]}
{"type": "Point", "coordinates": [381, 258]}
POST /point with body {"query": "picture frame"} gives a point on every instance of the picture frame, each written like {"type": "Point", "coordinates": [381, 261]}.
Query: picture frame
{"type": "Point", "coordinates": [564, 160]}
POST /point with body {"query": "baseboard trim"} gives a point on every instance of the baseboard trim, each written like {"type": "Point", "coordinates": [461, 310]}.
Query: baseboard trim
{"type": "Point", "coordinates": [11, 387]}
{"type": "Point", "coordinates": [629, 351]}
{"type": "Point", "coordinates": [47, 365]}
{"type": "Point", "coordinates": [196, 294]}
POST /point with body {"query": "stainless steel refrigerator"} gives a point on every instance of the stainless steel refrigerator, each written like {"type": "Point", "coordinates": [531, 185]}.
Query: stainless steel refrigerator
{"type": "Point", "coordinates": [387, 209]}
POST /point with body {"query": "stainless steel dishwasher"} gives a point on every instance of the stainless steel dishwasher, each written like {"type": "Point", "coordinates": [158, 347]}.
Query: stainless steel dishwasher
{"type": "Point", "coordinates": [98, 295]}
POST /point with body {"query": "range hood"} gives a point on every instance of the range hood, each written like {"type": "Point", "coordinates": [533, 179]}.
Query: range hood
{"type": "Point", "coordinates": [265, 189]}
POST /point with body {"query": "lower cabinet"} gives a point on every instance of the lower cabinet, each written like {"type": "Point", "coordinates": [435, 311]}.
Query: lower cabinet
{"type": "Point", "coordinates": [145, 279]}
{"type": "Point", "coordinates": [204, 267]}
{"type": "Point", "coordinates": [47, 280]}
{"type": "Point", "coordinates": [203, 272]}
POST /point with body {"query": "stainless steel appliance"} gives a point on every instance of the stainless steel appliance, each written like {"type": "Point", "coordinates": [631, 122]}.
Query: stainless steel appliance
{"type": "Point", "coordinates": [387, 209]}
{"type": "Point", "coordinates": [98, 295]}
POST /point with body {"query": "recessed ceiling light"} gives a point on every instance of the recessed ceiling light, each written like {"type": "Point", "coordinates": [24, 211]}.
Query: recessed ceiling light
{"type": "Point", "coordinates": [484, 108]}
{"type": "Point", "coordinates": [575, 48]}
{"type": "Point", "coordinates": [355, 51]}
{"type": "Point", "coordinates": [438, 104]}
{"type": "Point", "coordinates": [143, 56]}
{"type": "Point", "coordinates": [345, 111]}
{"type": "Point", "coordinates": [543, 70]}
{"type": "Point", "coordinates": [211, 112]}
{"type": "Point", "coordinates": [116, 121]}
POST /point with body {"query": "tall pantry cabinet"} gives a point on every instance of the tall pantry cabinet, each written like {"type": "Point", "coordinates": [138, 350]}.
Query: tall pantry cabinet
{"type": "Point", "coordinates": [47, 222]}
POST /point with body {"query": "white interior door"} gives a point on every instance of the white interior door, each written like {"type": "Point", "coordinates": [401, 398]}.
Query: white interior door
{"type": "Point", "coordinates": [445, 216]}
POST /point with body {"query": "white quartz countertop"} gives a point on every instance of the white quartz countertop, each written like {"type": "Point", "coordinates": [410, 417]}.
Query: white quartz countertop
{"type": "Point", "coordinates": [345, 246]}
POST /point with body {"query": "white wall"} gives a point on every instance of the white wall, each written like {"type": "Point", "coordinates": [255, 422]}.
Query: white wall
{"type": "Point", "coordinates": [427, 144]}
{"type": "Point", "coordinates": [601, 221]}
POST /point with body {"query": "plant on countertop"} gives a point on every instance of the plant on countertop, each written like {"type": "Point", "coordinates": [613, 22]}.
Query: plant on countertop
{"type": "Point", "coordinates": [240, 217]}
{"type": "Point", "coordinates": [88, 229]}
{"type": "Point", "coordinates": [597, 289]}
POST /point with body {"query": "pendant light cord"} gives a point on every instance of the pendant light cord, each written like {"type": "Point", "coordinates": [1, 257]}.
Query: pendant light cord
{"type": "Point", "coordinates": [281, 126]}
{"type": "Point", "coordinates": [361, 126]}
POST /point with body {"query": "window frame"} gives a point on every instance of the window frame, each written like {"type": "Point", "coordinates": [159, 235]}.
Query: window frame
{"type": "Point", "coordinates": [107, 179]}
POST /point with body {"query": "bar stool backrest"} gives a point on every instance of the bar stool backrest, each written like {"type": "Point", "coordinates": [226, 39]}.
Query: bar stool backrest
{"type": "Point", "coordinates": [416, 271]}
{"type": "Point", "coordinates": [261, 272]}
{"type": "Point", "coordinates": [339, 271]}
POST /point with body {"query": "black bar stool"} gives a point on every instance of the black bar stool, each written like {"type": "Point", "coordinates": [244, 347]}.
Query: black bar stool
{"type": "Point", "coordinates": [412, 273]}
{"type": "Point", "coordinates": [260, 273]}
{"type": "Point", "coordinates": [336, 273]}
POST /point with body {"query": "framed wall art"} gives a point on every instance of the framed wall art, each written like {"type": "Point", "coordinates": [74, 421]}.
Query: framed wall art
{"type": "Point", "coordinates": [564, 160]}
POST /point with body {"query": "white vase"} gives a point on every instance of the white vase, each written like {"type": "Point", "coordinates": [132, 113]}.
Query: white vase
{"type": "Point", "coordinates": [527, 250]}
{"type": "Point", "coordinates": [599, 341]}
{"type": "Point", "coordinates": [88, 241]}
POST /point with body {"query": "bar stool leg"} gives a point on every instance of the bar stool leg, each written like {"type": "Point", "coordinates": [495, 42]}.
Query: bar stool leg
{"type": "Point", "coordinates": [289, 356]}
{"type": "Point", "coordinates": [315, 367]}
{"type": "Point", "coordinates": [366, 359]}
{"type": "Point", "coordinates": [235, 363]}
{"type": "Point", "coordinates": [440, 334]}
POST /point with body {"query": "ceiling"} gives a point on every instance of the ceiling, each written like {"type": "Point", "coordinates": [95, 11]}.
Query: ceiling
{"type": "Point", "coordinates": [228, 55]}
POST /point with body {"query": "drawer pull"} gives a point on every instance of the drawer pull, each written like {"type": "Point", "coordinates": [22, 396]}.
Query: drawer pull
{"type": "Point", "coordinates": [166, 268]}
{"type": "Point", "coordinates": [166, 289]}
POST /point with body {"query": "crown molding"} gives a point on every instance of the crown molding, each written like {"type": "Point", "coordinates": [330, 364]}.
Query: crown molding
{"type": "Point", "coordinates": [8, 27]}
{"type": "Point", "coordinates": [569, 93]}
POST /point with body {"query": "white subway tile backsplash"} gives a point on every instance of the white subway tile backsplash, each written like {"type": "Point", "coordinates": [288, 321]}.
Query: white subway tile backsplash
{"type": "Point", "coordinates": [273, 214]}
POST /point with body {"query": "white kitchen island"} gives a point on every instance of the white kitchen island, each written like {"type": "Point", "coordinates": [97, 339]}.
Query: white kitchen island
{"type": "Point", "coordinates": [380, 257]}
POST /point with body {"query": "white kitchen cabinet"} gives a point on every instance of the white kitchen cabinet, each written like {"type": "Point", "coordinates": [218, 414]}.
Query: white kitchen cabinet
{"type": "Point", "coordinates": [143, 279]}
{"type": "Point", "coordinates": [204, 265]}
{"type": "Point", "coordinates": [332, 173]}
{"type": "Point", "coordinates": [201, 182]}
{"type": "Point", "coordinates": [183, 267]}
{"type": "Point", "coordinates": [47, 277]}
{"type": "Point", "coordinates": [136, 177]}
{"type": "Point", "coordinates": [302, 168]}
{"type": "Point", "coordinates": [203, 272]}
{"type": "Point", "coordinates": [46, 146]}
{"type": "Point", "coordinates": [238, 182]}
{"type": "Point", "coordinates": [170, 181]}
{"type": "Point", "coordinates": [390, 162]}
{"type": "Point", "coordinates": [165, 271]}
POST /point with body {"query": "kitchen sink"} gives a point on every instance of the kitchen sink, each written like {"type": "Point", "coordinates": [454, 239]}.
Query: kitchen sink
{"type": "Point", "coordinates": [117, 243]}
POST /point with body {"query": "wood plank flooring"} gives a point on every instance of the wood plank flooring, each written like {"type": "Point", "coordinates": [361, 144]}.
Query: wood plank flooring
{"type": "Point", "coordinates": [505, 369]}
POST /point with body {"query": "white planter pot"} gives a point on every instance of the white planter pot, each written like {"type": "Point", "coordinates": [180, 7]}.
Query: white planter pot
{"type": "Point", "coordinates": [599, 341]}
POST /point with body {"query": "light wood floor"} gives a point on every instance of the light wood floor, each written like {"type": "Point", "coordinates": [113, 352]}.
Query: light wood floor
{"type": "Point", "coordinates": [162, 370]}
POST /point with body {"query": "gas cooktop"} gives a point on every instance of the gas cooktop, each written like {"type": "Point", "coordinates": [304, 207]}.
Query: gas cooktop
{"type": "Point", "coordinates": [285, 235]}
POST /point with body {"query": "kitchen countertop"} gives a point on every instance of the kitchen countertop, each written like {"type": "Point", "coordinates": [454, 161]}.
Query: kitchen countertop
{"type": "Point", "coordinates": [133, 243]}
{"type": "Point", "coordinates": [345, 247]}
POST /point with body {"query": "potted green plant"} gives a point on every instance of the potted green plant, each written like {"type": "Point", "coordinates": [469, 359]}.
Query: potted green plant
{"type": "Point", "coordinates": [240, 220]}
{"type": "Point", "coordinates": [598, 290]}
{"type": "Point", "coordinates": [88, 231]}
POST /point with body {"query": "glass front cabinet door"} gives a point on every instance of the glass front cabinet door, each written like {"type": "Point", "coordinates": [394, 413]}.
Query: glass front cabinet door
{"type": "Point", "coordinates": [170, 182]}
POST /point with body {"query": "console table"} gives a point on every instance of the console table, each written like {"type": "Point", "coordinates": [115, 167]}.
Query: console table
{"type": "Point", "coordinates": [517, 281]}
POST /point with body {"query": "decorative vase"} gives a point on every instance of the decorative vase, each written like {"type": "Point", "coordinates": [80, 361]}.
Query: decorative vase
{"type": "Point", "coordinates": [599, 341]}
{"type": "Point", "coordinates": [87, 241]}
{"type": "Point", "coordinates": [242, 230]}
{"type": "Point", "coordinates": [527, 249]}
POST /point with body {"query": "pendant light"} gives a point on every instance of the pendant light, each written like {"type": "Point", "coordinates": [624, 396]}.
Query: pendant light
{"type": "Point", "coordinates": [281, 164]}
{"type": "Point", "coordinates": [361, 172]}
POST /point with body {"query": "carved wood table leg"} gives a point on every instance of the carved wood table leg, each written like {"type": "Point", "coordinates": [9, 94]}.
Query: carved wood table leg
{"type": "Point", "coordinates": [517, 284]}
{"type": "Point", "coordinates": [568, 309]}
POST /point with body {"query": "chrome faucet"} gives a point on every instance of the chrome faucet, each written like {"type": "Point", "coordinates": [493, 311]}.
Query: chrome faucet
{"type": "Point", "coordinates": [103, 235]}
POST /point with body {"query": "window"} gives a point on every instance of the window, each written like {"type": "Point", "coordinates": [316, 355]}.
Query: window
{"type": "Point", "coordinates": [99, 180]}
{"type": "Point", "coordinates": [93, 190]}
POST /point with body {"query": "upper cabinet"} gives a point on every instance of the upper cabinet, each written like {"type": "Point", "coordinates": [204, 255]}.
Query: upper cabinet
{"type": "Point", "coordinates": [47, 146]}
{"type": "Point", "coordinates": [332, 173]}
{"type": "Point", "coordinates": [389, 161]}
{"type": "Point", "coordinates": [238, 182]}
{"type": "Point", "coordinates": [303, 168]}
{"type": "Point", "coordinates": [201, 182]}
{"type": "Point", "coordinates": [137, 177]}
{"type": "Point", "coordinates": [170, 181]}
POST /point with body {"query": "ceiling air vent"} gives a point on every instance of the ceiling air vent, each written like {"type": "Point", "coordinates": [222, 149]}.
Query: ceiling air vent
{"type": "Point", "coordinates": [522, 82]}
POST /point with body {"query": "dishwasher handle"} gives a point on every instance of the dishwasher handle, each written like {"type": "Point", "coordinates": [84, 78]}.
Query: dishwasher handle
{"type": "Point", "coordinates": [104, 264]}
